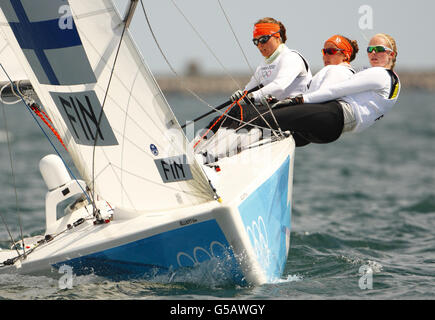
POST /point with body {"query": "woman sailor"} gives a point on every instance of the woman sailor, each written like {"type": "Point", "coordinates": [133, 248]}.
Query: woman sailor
{"type": "Point", "coordinates": [353, 105]}
{"type": "Point", "coordinates": [283, 72]}
{"type": "Point", "coordinates": [338, 52]}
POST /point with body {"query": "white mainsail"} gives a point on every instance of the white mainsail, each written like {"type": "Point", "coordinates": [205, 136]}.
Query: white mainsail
{"type": "Point", "coordinates": [68, 50]}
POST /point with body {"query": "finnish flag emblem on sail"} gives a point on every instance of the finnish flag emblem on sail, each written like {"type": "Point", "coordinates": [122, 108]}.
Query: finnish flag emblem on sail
{"type": "Point", "coordinates": [53, 50]}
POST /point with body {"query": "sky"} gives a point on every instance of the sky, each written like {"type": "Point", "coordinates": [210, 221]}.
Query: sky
{"type": "Point", "coordinates": [198, 31]}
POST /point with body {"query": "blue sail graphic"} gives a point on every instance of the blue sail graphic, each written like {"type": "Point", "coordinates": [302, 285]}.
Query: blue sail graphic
{"type": "Point", "coordinates": [54, 52]}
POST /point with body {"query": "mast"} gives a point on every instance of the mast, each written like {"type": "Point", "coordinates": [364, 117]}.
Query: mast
{"type": "Point", "coordinates": [130, 12]}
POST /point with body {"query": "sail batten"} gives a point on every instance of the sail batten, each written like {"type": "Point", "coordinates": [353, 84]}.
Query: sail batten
{"type": "Point", "coordinates": [140, 161]}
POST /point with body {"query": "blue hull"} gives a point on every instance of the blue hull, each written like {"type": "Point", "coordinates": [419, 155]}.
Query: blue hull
{"type": "Point", "coordinates": [161, 255]}
{"type": "Point", "coordinates": [266, 217]}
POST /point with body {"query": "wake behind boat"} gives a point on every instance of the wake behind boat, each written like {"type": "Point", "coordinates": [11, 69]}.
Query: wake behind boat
{"type": "Point", "coordinates": [145, 205]}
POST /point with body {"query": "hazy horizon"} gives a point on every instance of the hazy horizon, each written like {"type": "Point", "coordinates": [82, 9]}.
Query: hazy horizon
{"type": "Point", "coordinates": [197, 31]}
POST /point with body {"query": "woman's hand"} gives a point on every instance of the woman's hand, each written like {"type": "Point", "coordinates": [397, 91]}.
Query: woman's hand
{"type": "Point", "coordinates": [291, 101]}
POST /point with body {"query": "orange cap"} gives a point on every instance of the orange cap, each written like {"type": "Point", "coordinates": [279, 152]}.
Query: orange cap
{"type": "Point", "coordinates": [341, 43]}
{"type": "Point", "coordinates": [265, 29]}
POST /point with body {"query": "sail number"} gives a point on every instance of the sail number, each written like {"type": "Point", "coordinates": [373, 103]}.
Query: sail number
{"type": "Point", "coordinates": [174, 169]}
{"type": "Point", "coordinates": [84, 117]}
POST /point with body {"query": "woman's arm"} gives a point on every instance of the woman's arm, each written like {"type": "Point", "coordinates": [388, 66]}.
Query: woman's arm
{"type": "Point", "coordinates": [287, 71]}
{"type": "Point", "coordinates": [371, 79]}
{"type": "Point", "coordinates": [335, 75]}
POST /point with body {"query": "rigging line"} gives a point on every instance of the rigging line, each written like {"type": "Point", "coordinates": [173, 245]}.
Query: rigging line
{"type": "Point", "coordinates": [252, 104]}
{"type": "Point", "coordinates": [101, 116]}
{"type": "Point", "coordinates": [125, 87]}
{"type": "Point", "coordinates": [141, 129]}
{"type": "Point", "coordinates": [167, 61]}
{"type": "Point", "coordinates": [155, 40]}
{"type": "Point", "coordinates": [133, 97]}
{"type": "Point", "coordinates": [205, 43]}
{"type": "Point", "coordinates": [171, 67]}
{"type": "Point", "coordinates": [237, 39]}
{"type": "Point", "coordinates": [10, 234]}
{"type": "Point", "coordinates": [175, 72]}
{"type": "Point", "coordinates": [1, 214]}
{"type": "Point", "coordinates": [273, 117]}
{"type": "Point", "coordinates": [244, 123]}
{"type": "Point", "coordinates": [43, 131]}
{"type": "Point", "coordinates": [13, 178]}
{"type": "Point", "coordinates": [253, 119]}
{"type": "Point", "coordinates": [204, 185]}
{"type": "Point", "coordinates": [115, 75]}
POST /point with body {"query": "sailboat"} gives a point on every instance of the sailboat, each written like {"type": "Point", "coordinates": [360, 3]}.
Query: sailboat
{"type": "Point", "coordinates": [143, 203]}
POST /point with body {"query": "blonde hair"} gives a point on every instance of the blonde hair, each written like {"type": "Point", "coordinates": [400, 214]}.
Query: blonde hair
{"type": "Point", "coordinates": [392, 44]}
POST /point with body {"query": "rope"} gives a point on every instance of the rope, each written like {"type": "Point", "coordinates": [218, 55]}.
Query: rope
{"type": "Point", "coordinates": [237, 39]}
{"type": "Point", "coordinates": [96, 213]}
{"type": "Point", "coordinates": [205, 43]}
{"type": "Point", "coordinates": [6, 102]}
{"type": "Point", "coordinates": [14, 184]}
{"type": "Point", "coordinates": [48, 238]}
{"type": "Point", "coordinates": [44, 117]}
{"type": "Point", "coordinates": [46, 135]}
{"type": "Point", "coordinates": [219, 119]}
{"type": "Point", "coordinates": [189, 90]}
{"type": "Point", "coordinates": [168, 63]}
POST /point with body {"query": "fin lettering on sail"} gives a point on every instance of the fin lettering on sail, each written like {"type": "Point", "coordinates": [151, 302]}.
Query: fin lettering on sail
{"type": "Point", "coordinates": [174, 168]}
{"type": "Point", "coordinates": [81, 112]}
{"type": "Point", "coordinates": [55, 54]}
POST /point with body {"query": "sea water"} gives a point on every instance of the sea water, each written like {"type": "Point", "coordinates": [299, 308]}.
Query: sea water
{"type": "Point", "coordinates": [363, 215]}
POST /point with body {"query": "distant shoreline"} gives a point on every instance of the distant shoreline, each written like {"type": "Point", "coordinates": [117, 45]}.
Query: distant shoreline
{"type": "Point", "coordinates": [225, 84]}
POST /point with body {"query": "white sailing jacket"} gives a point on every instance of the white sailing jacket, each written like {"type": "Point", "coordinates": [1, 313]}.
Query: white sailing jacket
{"type": "Point", "coordinates": [286, 73]}
{"type": "Point", "coordinates": [371, 93]}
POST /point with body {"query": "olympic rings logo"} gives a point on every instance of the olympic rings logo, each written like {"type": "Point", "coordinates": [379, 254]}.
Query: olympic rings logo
{"type": "Point", "coordinates": [258, 235]}
{"type": "Point", "coordinates": [266, 74]}
{"type": "Point", "coordinates": [198, 249]}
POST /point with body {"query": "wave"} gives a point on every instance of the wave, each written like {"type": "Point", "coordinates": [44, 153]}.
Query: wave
{"type": "Point", "coordinates": [4, 136]}
{"type": "Point", "coordinates": [424, 205]}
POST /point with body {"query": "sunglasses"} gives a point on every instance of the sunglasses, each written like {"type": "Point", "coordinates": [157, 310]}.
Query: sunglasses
{"type": "Point", "coordinates": [377, 49]}
{"type": "Point", "coordinates": [263, 39]}
{"type": "Point", "coordinates": [331, 51]}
